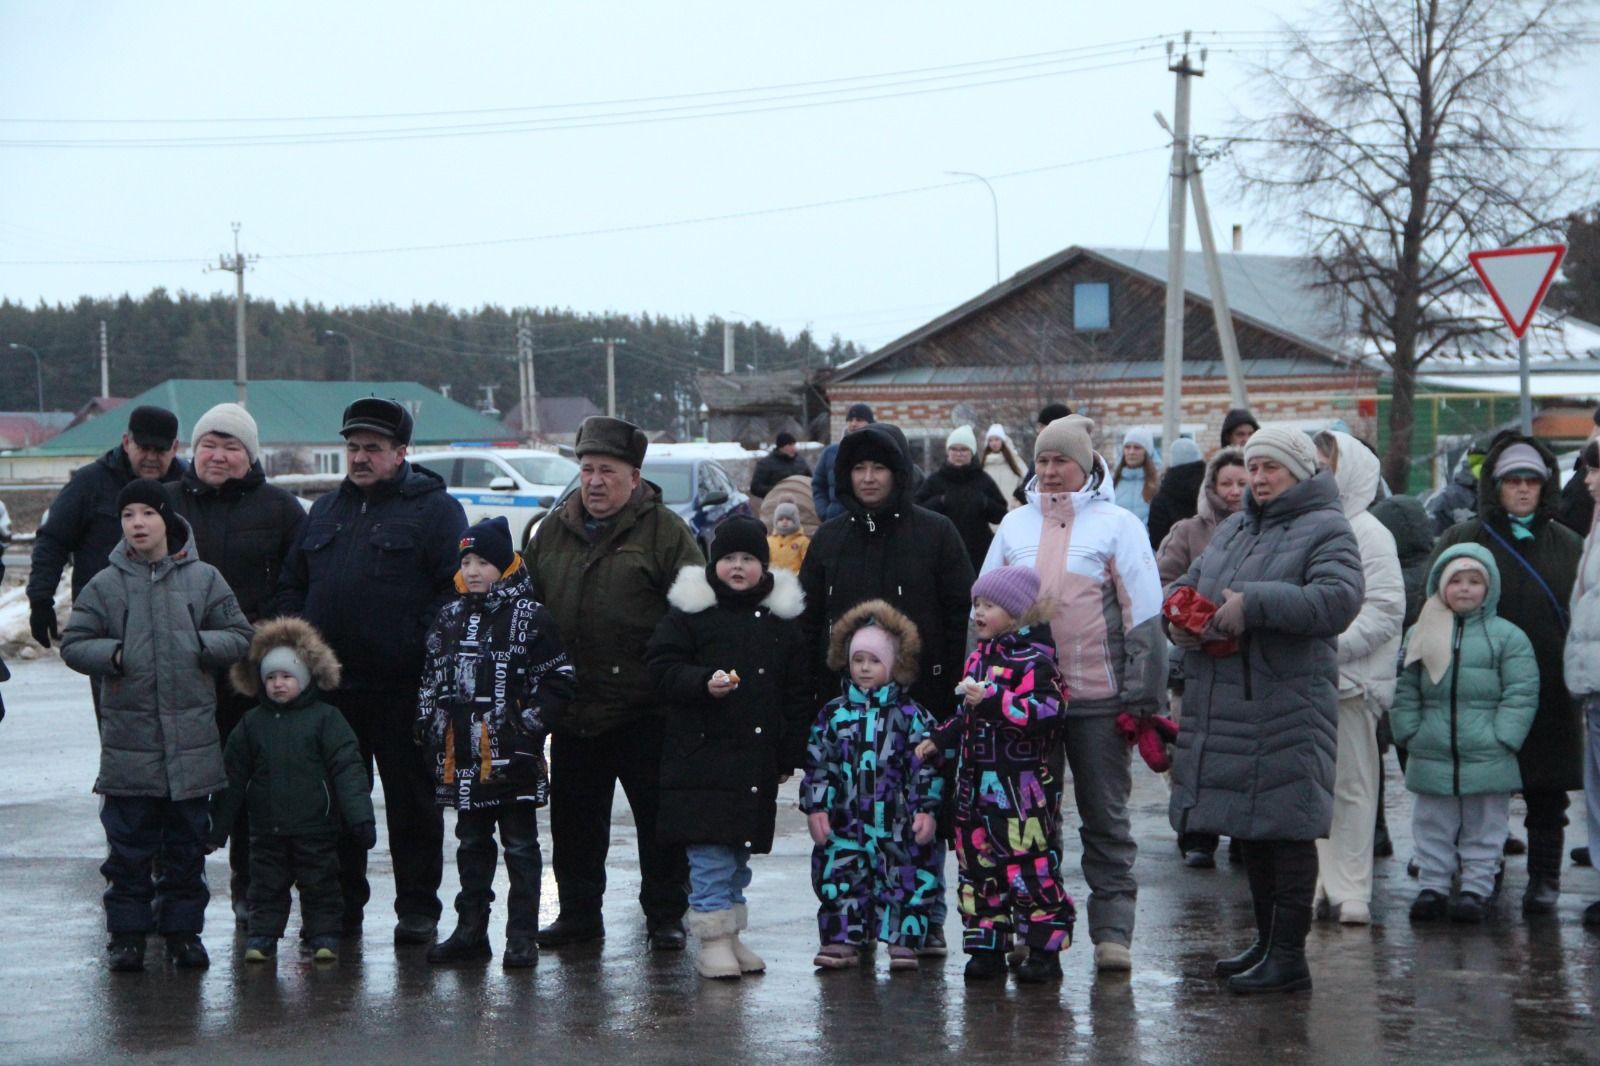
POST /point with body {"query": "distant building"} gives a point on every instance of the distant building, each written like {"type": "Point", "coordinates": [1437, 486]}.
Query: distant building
{"type": "Point", "coordinates": [25, 429]}
{"type": "Point", "coordinates": [753, 409]}
{"type": "Point", "coordinates": [298, 422]}
{"type": "Point", "coordinates": [559, 417]}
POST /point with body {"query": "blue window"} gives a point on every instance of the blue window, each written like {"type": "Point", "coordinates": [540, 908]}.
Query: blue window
{"type": "Point", "coordinates": [1091, 306]}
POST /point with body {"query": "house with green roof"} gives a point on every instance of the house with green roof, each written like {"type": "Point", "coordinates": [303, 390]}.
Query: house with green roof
{"type": "Point", "coordinates": [298, 422]}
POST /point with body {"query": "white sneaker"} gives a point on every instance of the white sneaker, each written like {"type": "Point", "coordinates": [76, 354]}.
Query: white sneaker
{"type": "Point", "coordinates": [1112, 958]}
{"type": "Point", "coordinates": [1354, 912]}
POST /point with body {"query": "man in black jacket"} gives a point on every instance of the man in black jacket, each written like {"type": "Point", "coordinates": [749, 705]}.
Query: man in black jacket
{"type": "Point", "coordinates": [373, 564]}
{"type": "Point", "coordinates": [884, 547]}
{"type": "Point", "coordinates": [244, 527]}
{"type": "Point", "coordinates": [783, 461]}
{"type": "Point", "coordinates": [83, 525]}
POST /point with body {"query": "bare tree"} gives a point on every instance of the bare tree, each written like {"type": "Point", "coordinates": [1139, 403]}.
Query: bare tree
{"type": "Point", "coordinates": [1401, 135]}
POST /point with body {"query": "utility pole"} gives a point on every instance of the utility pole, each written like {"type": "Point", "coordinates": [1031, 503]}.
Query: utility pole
{"type": "Point", "coordinates": [611, 371]}
{"type": "Point", "coordinates": [236, 266]}
{"type": "Point", "coordinates": [1219, 295]}
{"type": "Point", "coordinates": [105, 363]}
{"type": "Point", "coordinates": [530, 392]}
{"type": "Point", "coordinates": [727, 347]}
{"type": "Point", "coordinates": [1172, 340]}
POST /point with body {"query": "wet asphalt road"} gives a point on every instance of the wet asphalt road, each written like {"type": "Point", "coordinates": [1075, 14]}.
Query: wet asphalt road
{"type": "Point", "coordinates": [1511, 991]}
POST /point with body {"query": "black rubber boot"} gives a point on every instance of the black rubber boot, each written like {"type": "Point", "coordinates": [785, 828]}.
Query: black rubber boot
{"type": "Point", "coordinates": [468, 943]}
{"type": "Point", "coordinates": [186, 951]}
{"type": "Point", "coordinates": [125, 953]}
{"type": "Point", "coordinates": [1382, 845]}
{"type": "Point", "coordinates": [987, 965]}
{"type": "Point", "coordinates": [1257, 950]}
{"type": "Point", "coordinates": [571, 929]}
{"type": "Point", "coordinates": [1546, 850]}
{"type": "Point", "coordinates": [1284, 968]}
{"type": "Point", "coordinates": [1039, 967]}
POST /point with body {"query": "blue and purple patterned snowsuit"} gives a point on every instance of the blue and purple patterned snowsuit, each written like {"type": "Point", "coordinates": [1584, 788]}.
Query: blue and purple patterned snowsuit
{"type": "Point", "coordinates": [873, 878]}
{"type": "Point", "coordinates": [1008, 799]}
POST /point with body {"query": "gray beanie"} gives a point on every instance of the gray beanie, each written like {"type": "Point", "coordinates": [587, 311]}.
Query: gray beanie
{"type": "Point", "coordinates": [230, 420]}
{"type": "Point", "coordinates": [282, 659]}
{"type": "Point", "coordinates": [1069, 437]}
{"type": "Point", "coordinates": [1285, 445]}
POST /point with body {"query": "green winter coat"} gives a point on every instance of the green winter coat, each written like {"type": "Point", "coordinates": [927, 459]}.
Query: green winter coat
{"type": "Point", "coordinates": [298, 767]}
{"type": "Point", "coordinates": [1462, 734]}
{"type": "Point", "coordinates": [607, 596]}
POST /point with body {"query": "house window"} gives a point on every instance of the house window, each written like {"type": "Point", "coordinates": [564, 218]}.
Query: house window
{"type": "Point", "coordinates": [330, 462]}
{"type": "Point", "coordinates": [1091, 306]}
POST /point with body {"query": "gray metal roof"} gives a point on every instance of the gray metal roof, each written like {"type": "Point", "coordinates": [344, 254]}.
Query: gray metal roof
{"type": "Point", "coordinates": [1135, 370]}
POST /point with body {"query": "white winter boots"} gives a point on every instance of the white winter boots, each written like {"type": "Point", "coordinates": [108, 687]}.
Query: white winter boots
{"type": "Point", "coordinates": [721, 954]}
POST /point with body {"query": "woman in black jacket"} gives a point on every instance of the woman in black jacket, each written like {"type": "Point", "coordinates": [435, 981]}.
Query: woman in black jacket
{"type": "Point", "coordinates": [963, 493]}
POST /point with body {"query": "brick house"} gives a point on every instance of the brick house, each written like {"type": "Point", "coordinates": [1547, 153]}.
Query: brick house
{"type": "Point", "coordinates": [1085, 327]}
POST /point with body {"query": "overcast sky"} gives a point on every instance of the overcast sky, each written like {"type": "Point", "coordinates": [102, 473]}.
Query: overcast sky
{"type": "Point", "coordinates": [868, 270]}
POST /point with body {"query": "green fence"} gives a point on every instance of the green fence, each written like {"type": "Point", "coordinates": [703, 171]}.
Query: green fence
{"type": "Point", "coordinates": [1444, 415]}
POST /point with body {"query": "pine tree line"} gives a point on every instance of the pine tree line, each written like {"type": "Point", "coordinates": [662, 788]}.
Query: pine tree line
{"type": "Point", "coordinates": [162, 336]}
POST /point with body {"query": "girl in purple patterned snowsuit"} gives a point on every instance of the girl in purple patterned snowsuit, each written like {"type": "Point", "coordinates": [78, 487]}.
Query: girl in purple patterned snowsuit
{"type": "Point", "coordinates": [1007, 798]}
{"type": "Point", "coordinates": [870, 801]}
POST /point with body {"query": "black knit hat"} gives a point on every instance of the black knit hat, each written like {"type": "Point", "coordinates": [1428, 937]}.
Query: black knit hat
{"type": "Point", "coordinates": [602, 435]}
{"type": "Point", "coordinates": [1052, 411]}
{"type": "Point", "coordinates": [859, 412]}
{"type": "Point", "coordinates": [490, 540]}
{"type": "Point", "coordinates": [388, 417]}
{"type": "Point", "coordinates": [740, 533]}
{"type": "Point", "coordinates": [153, 427]}
{"type": "Point", "coordinates": [148, 491]}
{"type": "Point", "coordinates": [784, 439]}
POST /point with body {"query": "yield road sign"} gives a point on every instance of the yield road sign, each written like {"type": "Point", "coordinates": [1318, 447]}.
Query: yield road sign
{"type": "Point", "coordinates": [1517, 279]}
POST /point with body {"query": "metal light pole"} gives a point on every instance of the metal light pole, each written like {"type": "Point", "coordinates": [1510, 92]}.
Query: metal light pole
{"type": "Point", "coordinates": [349, 344]}
{"type": "Point", "coordinates": [995, 201]}
{"type": "Point", "coordinates": [38, 369]}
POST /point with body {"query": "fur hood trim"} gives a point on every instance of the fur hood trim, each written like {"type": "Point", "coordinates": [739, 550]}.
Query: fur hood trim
{"type": "Point", "coordinates": [877, 612]}
{"type": "Point", "coordinates": [295, 633]}
{"type": "Point", "coordinates": [692, 593]}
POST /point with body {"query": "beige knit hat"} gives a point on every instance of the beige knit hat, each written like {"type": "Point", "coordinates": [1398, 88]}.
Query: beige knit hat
{"type": "Point", "coordinates": [1068, 437]}
{"type": "Point", "coordinates": [1285, 445]}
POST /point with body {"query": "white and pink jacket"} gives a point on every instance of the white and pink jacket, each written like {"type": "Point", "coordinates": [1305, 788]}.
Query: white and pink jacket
{"type": "Point", "coordinates": [1096, 566]}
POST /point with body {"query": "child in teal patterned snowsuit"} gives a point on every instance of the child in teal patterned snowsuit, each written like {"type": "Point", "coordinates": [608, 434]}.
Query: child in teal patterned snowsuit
{"type": "Point", "coordinates": [870, 802]}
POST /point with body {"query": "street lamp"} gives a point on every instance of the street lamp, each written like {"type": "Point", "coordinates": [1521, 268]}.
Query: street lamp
{"type": "Point", "coordinates": [38, 369]}
{"type": "Point", "coordinates": [755, 345]}
{"type": "Point", "coordinates": [995, 200]}
{"type": "Point", "coordinates": [349, 344]}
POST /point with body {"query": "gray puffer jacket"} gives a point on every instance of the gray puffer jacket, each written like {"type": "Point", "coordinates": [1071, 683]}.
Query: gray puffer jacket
{"type": "Point", "coordinates": [1256, 749]}
{"type": "Point", "coordinates": [178, 624]}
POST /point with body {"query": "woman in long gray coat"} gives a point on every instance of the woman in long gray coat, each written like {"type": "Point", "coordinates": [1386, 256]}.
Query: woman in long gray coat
{"type": "Point", "coordinates": [1256, 751]}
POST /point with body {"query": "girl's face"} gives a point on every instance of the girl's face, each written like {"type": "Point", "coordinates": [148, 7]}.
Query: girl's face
{"type": "Point", "coordinates": [786, 525]}
{"type": "Point", "coordinates": [1133, 455]}
{"type": "Point", "coordinates": [989, 619]}
{"type": "Point", "coordinates": [1591, 481]}
{"type": "Point", "coordinates": [478, 573]}
{"type": "Point", "coordinates": [1269, 479]}
{"type": "Point", "coordinates": [994, 444]}
{"type": "Point", "coordinates": [282, 686]}
{"type": "Point", "coordinates": [867, 671]}
{"type": "Point", "coordinates": [958, 456]}
{"type": "Point", "coordinates": [739, 570]}
{"type": "Point", "coordinates": [1231, 484]}
{"type": "Point", "coordinates": [1465, 590]}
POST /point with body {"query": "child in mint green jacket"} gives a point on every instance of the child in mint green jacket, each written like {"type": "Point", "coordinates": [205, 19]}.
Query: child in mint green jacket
{"type": "Point", "coordinates": [1463, 705]}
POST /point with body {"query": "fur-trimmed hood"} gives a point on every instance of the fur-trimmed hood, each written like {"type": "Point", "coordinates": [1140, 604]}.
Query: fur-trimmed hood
{"type": "Point", "coordinates": [294, 633]}
{"type": "Point", "coordinates": [1209, 505]}
{"type": "Point", "coordinates": [692, 593]}
{"type": "Point", "coordinates": [877, 612]}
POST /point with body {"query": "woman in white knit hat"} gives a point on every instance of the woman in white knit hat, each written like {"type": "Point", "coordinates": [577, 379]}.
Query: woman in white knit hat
{"type": "Point", "coordinates": [963, 493]}
{"type": "Point", "coordinates": [1002, 464]}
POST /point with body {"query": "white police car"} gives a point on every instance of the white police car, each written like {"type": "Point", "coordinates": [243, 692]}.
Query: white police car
{"type": "Point", "coordinates": [520, 483]}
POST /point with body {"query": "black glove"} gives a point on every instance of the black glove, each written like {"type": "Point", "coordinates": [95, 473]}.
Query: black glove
{"type": "Point", "coordinates": [42, 620]}
{"type": "Point", "coordinates": [419, 731]}
{"type": "Point", "coordinates": [366, 834]}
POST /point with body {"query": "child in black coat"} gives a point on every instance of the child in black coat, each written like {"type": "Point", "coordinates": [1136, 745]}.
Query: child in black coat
{"type": "Point", "coordinates": [730, 659]}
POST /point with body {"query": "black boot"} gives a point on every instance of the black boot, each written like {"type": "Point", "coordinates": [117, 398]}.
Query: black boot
{"type": "Point", "coordinates": [986, 965]}
{"type": "Point", "coordinates": [1546, 850]}
{"type": "Point", "coordinates": [1258, 948]}
{"type": "Point", "coordinates": [186, 951]}
{"type": "Point", "coordinates": [572, 929]}
{"type": "Point", "coordinates": [522, 953]}
{"type": "Point", "coordinates": [1382, 846]}
{"type": "Point", "coordinates": [1039, 967]}
{"type": "Point", "coordinates": [468, 943]}
{"type": "Point", "coordinates": [125, 953]}
{"type": "Point", "coordinates": [1284, 968]}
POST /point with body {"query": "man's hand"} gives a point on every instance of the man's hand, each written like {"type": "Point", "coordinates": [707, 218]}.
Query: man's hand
{"type": "Point", "coordinates": [923, 827]}
{"type": "Point", "coordinates": [42, 621]}
{"type": "Point", "coordinates": [1229, 619]}
{"type": "Point", "coordinates": [820, 827]}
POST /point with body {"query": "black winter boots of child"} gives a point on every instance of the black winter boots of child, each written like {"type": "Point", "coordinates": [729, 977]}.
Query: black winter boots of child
{"type": "Point", "coordinates": [468, 943]}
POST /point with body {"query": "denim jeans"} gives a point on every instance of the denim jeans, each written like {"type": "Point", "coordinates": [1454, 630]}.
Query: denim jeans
{"type": "Point", "coordinates": [718, 876]}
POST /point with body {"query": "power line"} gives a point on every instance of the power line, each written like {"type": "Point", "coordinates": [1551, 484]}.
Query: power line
{"type": "Point", "coordinates": [609, 230]}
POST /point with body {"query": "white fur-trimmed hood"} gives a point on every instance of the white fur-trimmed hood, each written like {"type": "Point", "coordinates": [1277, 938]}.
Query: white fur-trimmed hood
{"type": "Point", "coordinates": [691, 593]}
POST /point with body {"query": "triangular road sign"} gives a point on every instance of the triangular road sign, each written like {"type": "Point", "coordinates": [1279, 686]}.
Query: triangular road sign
{"type": "Point", "coordinates": [1517, 279]}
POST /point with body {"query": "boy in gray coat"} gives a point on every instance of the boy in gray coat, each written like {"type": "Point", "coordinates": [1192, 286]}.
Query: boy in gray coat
{"type": "Point", "coordinates": [153, 628]}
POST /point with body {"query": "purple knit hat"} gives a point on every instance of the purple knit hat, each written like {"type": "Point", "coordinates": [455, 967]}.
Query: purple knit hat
{"type": "Point", "coordinates": [1011, 588]}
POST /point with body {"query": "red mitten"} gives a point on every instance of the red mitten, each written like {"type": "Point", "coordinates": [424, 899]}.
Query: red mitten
{"type": "Point", "coordinates": [1153, 747]}
{"type": "Point", "coordinates": [1166, 727]}
{"type": "Point", "coordinates": [1128, 726]}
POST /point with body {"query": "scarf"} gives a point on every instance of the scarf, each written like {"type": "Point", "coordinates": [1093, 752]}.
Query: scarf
{"type": "Point", "coordinates": [739, 598]}
{"type": "Point", "coordinates": [1521, 527]}
{"type": "Point", "coordinates": [1432, 636]}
